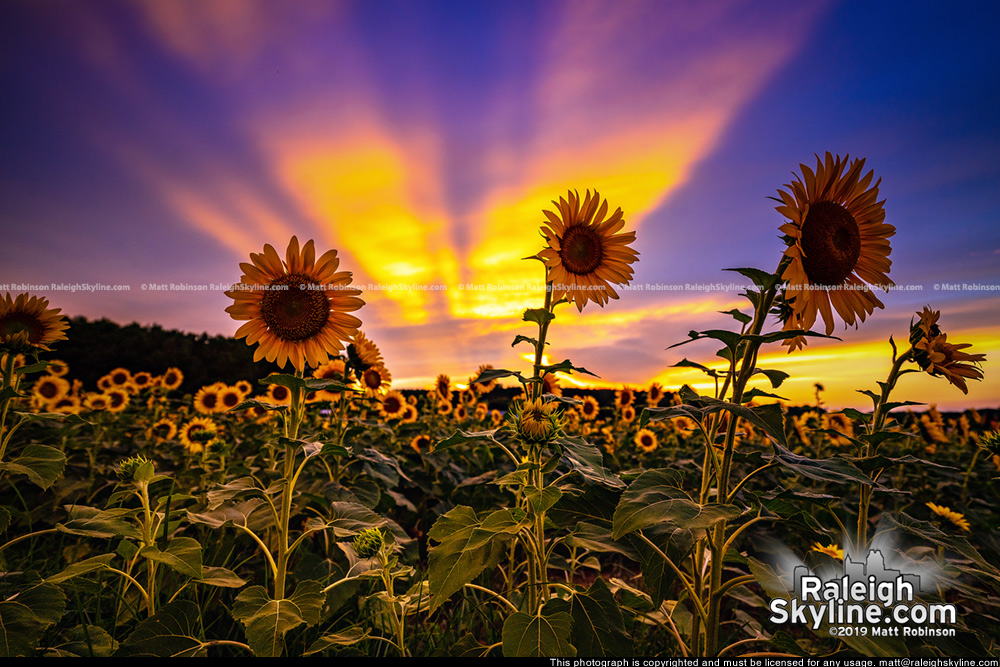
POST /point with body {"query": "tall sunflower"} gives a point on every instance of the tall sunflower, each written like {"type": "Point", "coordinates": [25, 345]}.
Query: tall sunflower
{"type": "Point", "coordinates": [838, 245]}
{"type": "Point", "coordinates": [299, 309]}
{"type": "Point", "coordinates": [28, 323]}
{"type": "Point", "coordinates": [585, 252]}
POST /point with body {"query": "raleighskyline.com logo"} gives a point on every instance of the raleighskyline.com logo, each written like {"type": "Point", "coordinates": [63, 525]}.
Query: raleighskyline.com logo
{"type": "Point", "coordinates": [869, 599]}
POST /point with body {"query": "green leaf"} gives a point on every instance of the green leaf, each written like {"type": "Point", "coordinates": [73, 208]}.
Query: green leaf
{"type": "Point", "coordinates": [687, 363]}
{"type": "Point", "coordinates": [598, 626]}
{"type": "Point", "coordinates": [566, 366]}
{"type": "Point", "coordinates": [467, 545]}
{"type": "Point", "coordinates": [585, 458]}
{"type": "Point", "coordinates": [236, 513]}
{"type": "Point", "coordinates": [755, 393]}
{"type": "Point", "coordinates": [469, 647]}
{"type": "Point", "coordinates": [102, 562]}
{"type": "Point", "coordinates": [348, 637]}
{"type": "Point", "coordinates": [491, 374]}
{"type": "Point", "coordinates": [183, 554]}
{"type": "Point", "coordinates": [171, 632]}
{"type": "Point", "coordinates": [542, 501]}
{"type": "Point", "coordinates": [91, 641]}
{"type": "Point", "coordinates": [4, 519]}
{"type": "Point", "coordinates": [543, 636]}
{"type": "Point", "coordinates": [267, 621]}
{"type": "Point", "coordinates": [730, 339]}
{"type": "Point", "coordinates": [255, 403]}
{"type": "Point", "coordinates": [834, 469]}
{"type": "Point", "coordinates": [461, 437]}
{"type": "Point", "coordinates": [91, 522]}
{"type": "Point", "coordinates": [775, 376]}
{"type": "Point", "coordinates": [539, 316]}
{"type": "Point", "coordinates": [40, 463]}
{"type": "Point", "coordinates": [761, 279]}
{"type": "Point", "coordinates": [245, 487]}
{"type": "Point", "coordinates": [654, 499]}
{"type": "Point", "coordinates": [737, 315]}
{"type": "Point", "coordinates": [348, 519]}
{"type": "Point", "coordinates": [524, 339]}
{"type": "Point", "coordinates": [51, 416]}
{"type": "Point", "coordinates": [220, 577]}
{"type": "Point", "coordinates": [24, 617]}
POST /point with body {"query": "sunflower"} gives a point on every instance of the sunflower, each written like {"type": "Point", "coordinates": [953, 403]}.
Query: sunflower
{"type": "Point", "coordinates": [331, 370]}
{"type": "Point", "coordinates": [409, 414]}
{"type": "Point", "coordinates": [118, 399]}
{"type": "Point", "coordinates": [535, 421]}
{"type": "Point", "coordinates": [278, 395]}
{"type": "Point", "coordinates": [442, 385]}
{"type": "Point", "coordinates": [119, 377]}
{"type": "Point", "coordinates": [393, 405]}
{"type": "Point", "coordinates": [163, 429]}
{"type": "Point", "coordinates": [460, 413]}
{"type": "Point", "coordinates": [299, 309]}
{"type": "Point", "coordinates": [142, 380]}
{"type": "Point", "coordinates": [628, 414]}
{"type": "Point", "coordinates": [444, 407]}
{"type": "Point", "coordinates": [29, 324]}
{"type": "Point", "coordinates": [67, 405]}
{"type": "Point", "coordinates": [420, 443]}
{"type": "Point", "coordinates": [646, 440]}
{"type": "Point", "coordinates": [375, 381]}
{"type": "Point", "coordinates": [172, 378]}
{"type": "Point", "coordinates": [206, 401]}
{"type": "Point", "coordinates": [590, 408]}
{"type": "Point", "coordinates": [831, 550]}
{"type": "Point", "coordinates": [196, 432]}
{"type": "Point", "coordinates": [363, 353]}
{"type": "Point", "coordinates": [654, 394]}
{"type": "Point", "coordinates": [550, 385]}
{"type": "Point", "coordinates": [838, 245]}
{"type": "Point", "coordinates": [50, 388]}
{"type": "Point", "coordinates": [243, 387]}
{"type": "Point", "coordinates": [935, 355]}
{"type": "Point", "coordinates": [57, 367]}
{"type": "Point", "coordinates": [96, 402]}
{"type": "Point", "coordinates": [229, 398]}
{"type": "Point", "coordinates": [488, 386]}
{"type": "Point", "coordinates": [624, 396]}
{"type": "Point", "coordinates": [585, 252]}
{"type": "Point", "coordinates": [955, 517]}
{"type": "Point", "coordinates": [482, 411]}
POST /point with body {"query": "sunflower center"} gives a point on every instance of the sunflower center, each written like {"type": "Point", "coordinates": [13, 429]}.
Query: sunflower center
{"type": "Point", "coordinates": [292, 311]}
{"type": "Point", "coordinates": [581, 249]}
{"type": "Point", "coordinates": [16, 322]}
{"type": "Point", "coordinates": [831, 243]}
{"type": "Point", "coordinates": [372, 378]}
{"type": "Point", "coordinates": [48, 389]}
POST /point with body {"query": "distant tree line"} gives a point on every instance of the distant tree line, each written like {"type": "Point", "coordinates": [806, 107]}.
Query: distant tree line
{"type": "Point", "coordinates": [96, 347]}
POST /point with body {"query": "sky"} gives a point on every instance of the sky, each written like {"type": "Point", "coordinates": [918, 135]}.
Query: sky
{"type": "Point", "coordinates": [159, 142]}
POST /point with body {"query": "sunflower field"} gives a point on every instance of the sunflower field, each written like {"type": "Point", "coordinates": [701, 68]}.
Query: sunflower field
{"type": "Point", "coordinates": [322, 511]}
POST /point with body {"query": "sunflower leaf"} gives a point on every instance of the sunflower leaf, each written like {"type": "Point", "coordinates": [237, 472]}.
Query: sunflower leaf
{"type": "Point", "coordinates": [491, 374]}
{"type": "Point", "coordinates": [775, 376]}
{"type": "Point", "coordinates": [737, 315]}
{"type": "Point", "coordinates": [761, 279]}
{"type": "Point", "coordinates": [254, 403]}
{"type": "Point", "coordinates": [544, 635]}
{"type": "Point", "coordinates": [539, 316]}
{"type": "Point", "coordinates": [525, 339]}
{"type": "Point", "coordinates": [687, 363]}
{"type": "Point", "coordinates": [461, 437]}
{"type": "Point", "coordinates": [40, 463]}
{"type": "Point", "coordinates": [566, 366]}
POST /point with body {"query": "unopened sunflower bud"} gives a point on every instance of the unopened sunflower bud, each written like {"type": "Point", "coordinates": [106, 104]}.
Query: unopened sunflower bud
{"type": "Point", "coordinates": [368, 542]}
{"type": "Point", "coordinates": [128, 467]}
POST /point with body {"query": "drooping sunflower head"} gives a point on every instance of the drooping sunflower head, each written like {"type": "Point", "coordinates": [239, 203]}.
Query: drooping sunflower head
{"type": "Point", "coordinates": [585, 251]}
{"type": "Point", "coordinates": [27, 323]}
{"type": "Point", "coordinates": [299, 309]}
{"type": "Point", "coordinates": [831, 550]}
{"type": "Point", "coordinates": [957, 518]}
{"type": "Point", "coordinates": [838, 245]}
{"type": "Point", "coordinates": [935, 355]}
{"type": "Point", "coordinates": [362, 353]}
